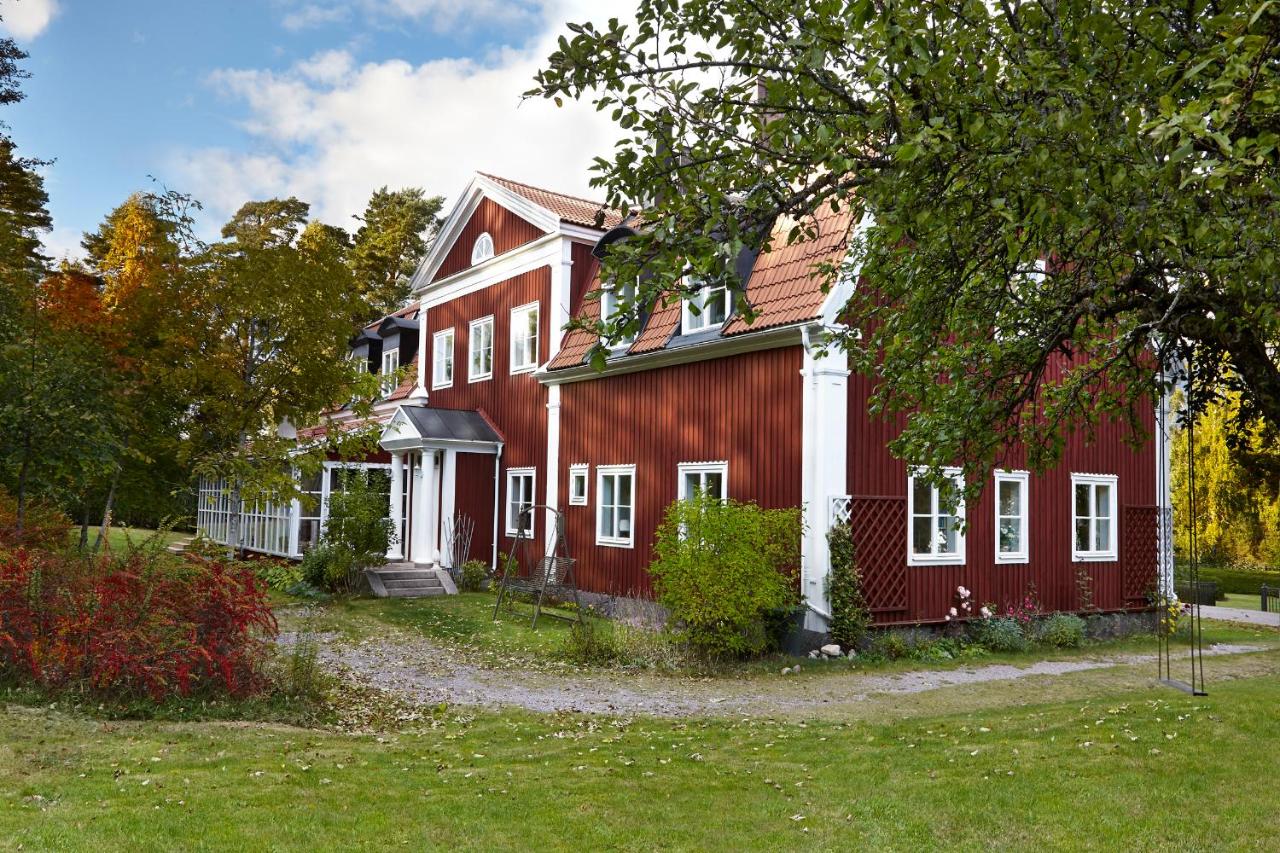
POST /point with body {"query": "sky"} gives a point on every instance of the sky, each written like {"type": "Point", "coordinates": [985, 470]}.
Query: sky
{"type": "Point", "coordinates": [232, 100]}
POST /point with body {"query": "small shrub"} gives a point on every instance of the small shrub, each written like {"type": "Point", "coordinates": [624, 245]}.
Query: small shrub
{"type": "Point", "coordinates": [326, 566]}
{"type": "Point", "coordinates": [300, 674]}
{"type": "Point", "coordinates": [474, 576]}
{"type": "Point", "coordinates": [278, 574]}
{"type": "Point", "coordinates": [722, 568]}
{"type": "Point", "coordinates": [850, 617]}
{"type": "Point", "coordinates": [1062, 630]}
{"type": "Point", "coordinates": [1000, 634]}
{"type": "Point", "coordinates": [589, 644]}
{"type": "Point", "coordinates": [891, 646]}
{"type": "Point", "coordinates": [646, 648]}
{"type": "Point", "coordinates": [356, 534]}
{"type": "Point", "coordinates": [43, 526]}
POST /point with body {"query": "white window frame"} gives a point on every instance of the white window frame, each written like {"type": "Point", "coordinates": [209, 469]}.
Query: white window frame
{"type": "Point", "coordinates": [442, 357]}
{"type": "Point", "coordinates": [482, 249]}
{"type": "Point", "coordinates": [700, 322]}
{"type": "Point", "coordinates": [1093, 480]}
{"type": "Point", "coordinates": [602, 471]}
{"type": "Point", "coordinates": [519, 325]}
{"type": "Point", "coordinates": [1023, 479]}
{"type": "Point", "coordinates": [472, 375]}
{"type": "Point", "coordinates": [391, 357]}
{"type": "Point", "coordinates": [580, 471]}
{"type": "Point", "coordinates": [511, 519]}
{"type": "Point", "coordinates": [609, 308]}
{"type": "Point", "coordinates": [934, 558]}
{"type": "Point", "coordinates": [701, 469]}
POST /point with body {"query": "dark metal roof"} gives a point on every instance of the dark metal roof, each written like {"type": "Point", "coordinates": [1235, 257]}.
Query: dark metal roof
{"type": "Point", "coordinates": [451, 424]}
{"type": "Point", "coordinates": [396, 324]}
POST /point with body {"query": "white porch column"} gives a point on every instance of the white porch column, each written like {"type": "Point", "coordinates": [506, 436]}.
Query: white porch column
{"type": "Point", "coordinates": [448, 483]}
{"type": "Point", "coordinates": [424, 509]}
{"type": "Point", "coordinates": [396, 550]}
{"type": "Point", "coordinates": [825, 455]}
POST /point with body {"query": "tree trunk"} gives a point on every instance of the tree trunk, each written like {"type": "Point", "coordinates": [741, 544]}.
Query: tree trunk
{"type": "Point", "coordinates": [84, 525]}
{"type": "Point", "coordinates": [106, 511]}
{"type": "Point", "coordinates": [23, 474]}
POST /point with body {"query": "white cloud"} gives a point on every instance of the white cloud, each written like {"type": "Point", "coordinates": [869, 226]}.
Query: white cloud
{"type": "Point", "coordinates": [26, 19]}
{"type": "Point", "coordinates": [330, 131]}
{"type": "Point", "coordinates": [63, 244]}
{"type": "Point", "coordinates": [439, 15]}
{"type": "Point", "coordinates": [314, 15]}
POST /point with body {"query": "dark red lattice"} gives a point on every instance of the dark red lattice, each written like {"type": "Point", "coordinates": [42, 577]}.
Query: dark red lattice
{"type": "Point", "coordinates": [880, 538]}
{"type": "Point", "coordinates": [1141, 552]}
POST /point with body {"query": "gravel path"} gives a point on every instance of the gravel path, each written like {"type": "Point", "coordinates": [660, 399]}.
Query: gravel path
{"type": "Point", "coordinates": [418, 672]}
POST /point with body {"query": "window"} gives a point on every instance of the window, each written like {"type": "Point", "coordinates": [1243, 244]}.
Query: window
{"type": "Point", "coordinates": [937, 514]}
{"type": "Point", "coordinates": [1093, 517]}
{"type": "Point", "coordinates": [616, 496]}
{"type": "Point", "coordinates": [442, 359]}
{"type": "Point", "coordinates": [706, 309]}
{"type": "Point", "coordinates": [524, 338]}
{"type": "Point", "coordinates": [482, 248]}
{"type": "Point", "coordinates": [519, 500]}
{"type": "Point", "coordinates": [578, 485]}
{"type": "Point", "coordinates": [1011, 517]}
{"type": "Point", "coordinates": [480, 343]}
{"type": "Point", "coordinates": [710, 478]}
{"type": "Point", "coordinates": [390, 364]}
{"type": "Point", "coordinates": [612, 299]}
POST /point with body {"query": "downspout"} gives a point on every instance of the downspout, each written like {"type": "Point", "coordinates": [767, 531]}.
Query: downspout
{"type": "Point", "coordinates": [497, 479]}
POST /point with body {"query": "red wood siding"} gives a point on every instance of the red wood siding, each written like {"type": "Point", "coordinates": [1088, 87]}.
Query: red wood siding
{"type": "Point", "coordinates": [507, 230]}
{"type": "Point", "coordinates": [929, 591]}
{"type": "Point", "coordinates": [474, 497]}
{"type": "Point", "coordinates": [517, 404]}
{"type": "Point", "coordinates": [745, 409]}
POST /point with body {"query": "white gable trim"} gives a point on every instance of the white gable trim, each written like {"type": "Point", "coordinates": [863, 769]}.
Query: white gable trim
{"type": "Point", "coordinates": [478, 189]}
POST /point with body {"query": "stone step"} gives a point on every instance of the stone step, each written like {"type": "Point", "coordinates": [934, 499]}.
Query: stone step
{"type": "Point", "coordinates": [413, 583]}
{"type": "Point", "coordinates": [405, 574]}
{"type": "Point", "coordinates": [416, 593]}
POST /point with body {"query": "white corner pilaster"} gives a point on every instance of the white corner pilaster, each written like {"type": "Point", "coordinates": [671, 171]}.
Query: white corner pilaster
{"type": "Point", "coordinates": [825, 442]}
{"type": "Point", "coordinates": [561, 295]}
{"type": "Point", "coordinates": [552, 499]}
{"type": "Point", "coordinates": [396, 550]}
{"type": "Point", "coordinates": [418, 396]}
{"type": "Point", "coordinates": [448, 483]}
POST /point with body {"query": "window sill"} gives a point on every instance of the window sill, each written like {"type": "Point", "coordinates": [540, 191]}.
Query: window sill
{"type": "Point", "coordinates": [471, 380]}
{"type": "Point", "coordinates": [1092, 557]}
{"type": "Point", "coordinates": [1005, 559]}
{"type": "Point", "coordinates": [530, 368]}
{"type": "Point", "coordinates": [615, 543]}
{"type": "Point", "coordinates": [573, 502]}
{"type": "Point", "coordinates": [948, 560]}
{"type": "Point", "coordinates": [441, 387]}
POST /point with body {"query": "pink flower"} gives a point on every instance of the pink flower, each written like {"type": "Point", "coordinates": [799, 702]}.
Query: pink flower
{"type": "Point", "coordinates": [953, 612]}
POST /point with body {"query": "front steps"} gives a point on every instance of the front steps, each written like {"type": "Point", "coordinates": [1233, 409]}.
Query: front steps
{"type": "Point", "coordinates": [410, 580]}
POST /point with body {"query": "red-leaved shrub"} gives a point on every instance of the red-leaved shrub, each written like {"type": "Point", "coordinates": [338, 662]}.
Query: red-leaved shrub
{"type": "Point", "coordinates": [43, 525]}
{"type": "Point", "coordinates": [141, 626]}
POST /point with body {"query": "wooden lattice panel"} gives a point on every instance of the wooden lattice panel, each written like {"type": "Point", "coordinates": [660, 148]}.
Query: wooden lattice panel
{"type": "Point", "coordinates": [1141, 552]}
{"type": "Point", "coordinates": [880, 538]}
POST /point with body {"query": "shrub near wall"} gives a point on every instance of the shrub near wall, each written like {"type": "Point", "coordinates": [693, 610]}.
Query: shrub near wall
{"type": "Point", "coordinates": [725, 571]}
{"type": "Point", "coordinates": [143, 626]}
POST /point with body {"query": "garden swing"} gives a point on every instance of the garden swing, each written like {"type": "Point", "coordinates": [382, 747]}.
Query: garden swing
{"type": "Point", "coordinates": [1168, 619]}
{"type": "Point", "coordinates": [539, 576]}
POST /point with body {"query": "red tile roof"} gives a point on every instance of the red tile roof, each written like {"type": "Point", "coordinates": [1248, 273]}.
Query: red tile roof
{"type": "Point", "coordinates": [571, 209]}
{"type": "Point", "coordinates": [786, 286]}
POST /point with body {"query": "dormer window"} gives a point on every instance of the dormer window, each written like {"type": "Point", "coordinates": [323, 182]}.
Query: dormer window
{"type": "Point", "coordinates": [707, 308]}
{"type": "Point", "coordinates": [612, 300]}
{"type": "Point", "coordinates": [482, 249]}
{"type": "Point", "coordinates": [390, 364]}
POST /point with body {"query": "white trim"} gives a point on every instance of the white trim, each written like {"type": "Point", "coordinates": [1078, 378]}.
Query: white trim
{"type": "Point", "coordinates": [482, 249]}
{"type": "Point", "coordinates": [552, 499]}
{"type": "Point", "coordinates": [603, 471]}
{"type": "Point", "coordinates": [683, 469]}
{"type": "Point", "coordinates": [513, 473]}
{"type": "Point", "coordinates": [387, 383]}
{"type": "Point", "coordinates": [542, 252]}
{"type": "Point", "coordinates": [1109, 555]}
{"type": "Point", "coordinates": [935, 559]}
{"type": "Point", "coordinates": [532, 365]}
{"type": "Point", "coordinates": [1023, 479]}
{"type": "Point", "coordinates": [436, 384]}
{"type": "Point", "coordinates": [691, 322]}
{"type": "Point", "coordinates": [782, 336]}
{"type": "Point", "coordinates": [471, 336]}
{"type": "Point", "coordinates": [580, 469]}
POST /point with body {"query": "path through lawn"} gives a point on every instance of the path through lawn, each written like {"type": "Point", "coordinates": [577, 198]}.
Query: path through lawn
{"type": "Point", "coordinates": [420, 672]}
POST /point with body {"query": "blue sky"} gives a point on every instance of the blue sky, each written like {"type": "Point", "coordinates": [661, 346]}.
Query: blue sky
{"type": "Point", "coordinates": [326, 100]}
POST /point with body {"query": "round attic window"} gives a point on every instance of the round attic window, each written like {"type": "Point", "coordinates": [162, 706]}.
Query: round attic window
{"type": "Point", "coordinates": [483, 248]}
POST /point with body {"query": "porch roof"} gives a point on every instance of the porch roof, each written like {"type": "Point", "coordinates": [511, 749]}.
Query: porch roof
{"type": "Point", "coordinates": [435, 424]}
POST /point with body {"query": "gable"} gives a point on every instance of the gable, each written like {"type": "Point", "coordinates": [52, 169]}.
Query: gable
{"type": "Point", "coordinates": [508, 231]}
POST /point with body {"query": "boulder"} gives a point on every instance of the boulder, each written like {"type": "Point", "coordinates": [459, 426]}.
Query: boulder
{"type": "Point", "coordinates": [831, 650]}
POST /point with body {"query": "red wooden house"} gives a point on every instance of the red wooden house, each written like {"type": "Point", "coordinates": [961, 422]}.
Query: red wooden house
{"type": "Point", "coordinates": [503, 412]}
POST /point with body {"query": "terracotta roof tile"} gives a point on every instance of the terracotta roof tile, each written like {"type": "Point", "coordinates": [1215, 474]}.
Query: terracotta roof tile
{"type": "Point", "coordinates": [571, 209]}
{"type": "Point", "coordinates": [663, 323]}
{"type": "Point", "coordinates": [578, 342]}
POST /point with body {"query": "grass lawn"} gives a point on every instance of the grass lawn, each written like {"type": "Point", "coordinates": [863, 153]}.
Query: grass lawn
{"type": "Point", "coordinates": [1140, 767]}
{"type": "Point", "coordinates": [119, 539]}
{"type": "Point", "coordinates": [1241, 601]}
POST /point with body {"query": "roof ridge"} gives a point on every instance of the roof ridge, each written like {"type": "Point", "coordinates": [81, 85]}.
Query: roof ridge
{"type": "Point", "coordinates": [594, 201]}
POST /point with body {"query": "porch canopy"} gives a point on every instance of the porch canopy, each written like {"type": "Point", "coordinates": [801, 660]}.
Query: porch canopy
{"type": "Point", "coordinates": [416, 427]}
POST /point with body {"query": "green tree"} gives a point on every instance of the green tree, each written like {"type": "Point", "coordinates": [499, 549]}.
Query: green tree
{"type": "Point", "coordinates": [392, 238]}
{"type": "Point", "coordinates": [1130, 147]}
{"type": "Point", "coordinates": [273, 310]}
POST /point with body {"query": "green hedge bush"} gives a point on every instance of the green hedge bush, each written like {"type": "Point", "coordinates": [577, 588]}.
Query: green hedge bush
{"type": "Point", "coordinates": [725, 571]}
{"type": "Point", "coordinates": [1000, 634]}
{"type": "Point", "coordinates": [1237, 580]}
{"type": "Point", "coordinates": [850, 617]}
{"type": "Point", "coordinates": [1063, 630]}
